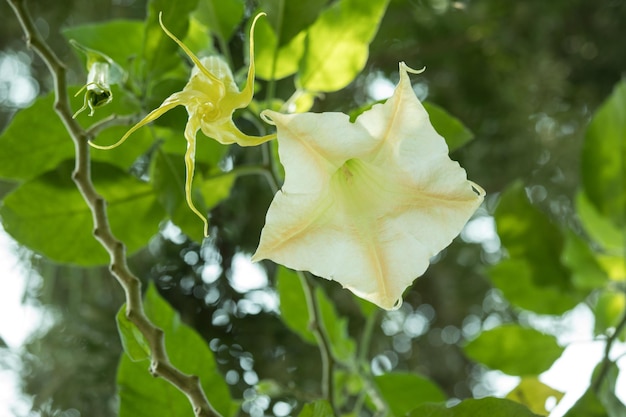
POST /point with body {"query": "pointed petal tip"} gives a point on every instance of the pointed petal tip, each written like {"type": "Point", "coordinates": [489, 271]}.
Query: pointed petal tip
{"type": "Point", "coordinates": [405, 67]}
{"type": "Point", "coordinates": [268, 117]}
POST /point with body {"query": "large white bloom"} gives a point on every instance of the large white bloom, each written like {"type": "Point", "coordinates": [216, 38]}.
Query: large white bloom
{"type": "Point", "coordinates": [368, 203]}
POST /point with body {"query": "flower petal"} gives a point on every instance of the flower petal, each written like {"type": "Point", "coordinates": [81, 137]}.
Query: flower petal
{"type": "Point", "coordinates": [191, 129]}
{"type": "Point", "coordinates": [227, 133]}
{"type": "Point", "coordinates": [367, 203]}
{"type": "Point", "coordinates": [169, 103]}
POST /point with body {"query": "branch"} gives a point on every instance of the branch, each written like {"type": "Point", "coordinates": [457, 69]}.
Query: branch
{"type": "Point", "coordinates": [160, 364]}
{"type": "Point", "coordinates": [606, 361]}
{"type": "Point", "coordinates": [316, 324]}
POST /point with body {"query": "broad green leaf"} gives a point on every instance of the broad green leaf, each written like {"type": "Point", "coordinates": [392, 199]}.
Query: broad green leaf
{"type": "Point", "coordinates": [514, 277]}
{"type": "Point", "coordinates": [530, 237]}
{"type": "Point", "coordinates": [221, 16]}
{"type": "Point", "coordinates": [320, 408]}
{"type": "Point", "coordinates": [134, 343]}
{"type": "Point", "coordinates": [608, 310]}
{"type": "Point", "coordinates": [337, 44]}
{"type": "Point", "coordinates": [160, 53]}
{"type": "Point", "coordinates": [404, 392]}
{"type": "Point", "coordinates": [514, 350]}
{"type": "Point", "coordinates": [142, 395]}
{"type": "Point", "coordinates": [48, 215]}
{"type": "Point", "coordinates": [448, 126]}
{"type": "Point", "coordinates": [122, 40]}
{"type": "Point", "coordinates": [533, 394]}
{"type": "Point", "coordinates": [598, 226]}
{"type": "Point", "coordinates": [587, 274]}
{"type": "Point", "coordinates": [288, 18]}
{"type": "Point", "coordinates": [484, 407]}
{"type": "Point", "coordinates": [293, 305]}
{"type": "Point", "coordinates": [272, 63]}
{"type": "Point", "coordinates": [35, 142]}
{"type": "Point", "coordinates": [604, 158]}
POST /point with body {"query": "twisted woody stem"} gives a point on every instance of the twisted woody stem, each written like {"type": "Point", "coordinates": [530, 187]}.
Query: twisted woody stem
{"type": "Point", "coordinates": [160, 364]}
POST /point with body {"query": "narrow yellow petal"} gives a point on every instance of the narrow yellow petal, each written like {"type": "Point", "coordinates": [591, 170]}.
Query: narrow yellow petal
{"type": "Point", "coordinates": [169, 103]}
{"type": "Point", "coordinates": [191, 55]}
{"type": "Point", "coordinates": [190, 165]}
{"type": "Point", "coordinates": [248, 90]}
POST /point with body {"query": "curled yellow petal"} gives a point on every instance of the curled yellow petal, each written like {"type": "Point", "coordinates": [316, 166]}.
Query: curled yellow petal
{"type": "Point", "coordinates": [168, 104]}
{"type": "Point", "coordinates": [248, 90]}
{"type": "Point", "coordinates": [190, 54]}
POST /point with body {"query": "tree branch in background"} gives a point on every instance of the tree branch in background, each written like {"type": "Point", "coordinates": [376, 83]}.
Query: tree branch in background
{"type": "Point", "coordinates": [606, 361]}
{"type": "Point", "coordinates": [316, 325]}
{"type": "Point", "coordinates": [160, 366]}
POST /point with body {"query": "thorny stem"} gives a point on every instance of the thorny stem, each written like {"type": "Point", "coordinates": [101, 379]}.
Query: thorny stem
{"type": "Point", "coordinates": [160, 364]}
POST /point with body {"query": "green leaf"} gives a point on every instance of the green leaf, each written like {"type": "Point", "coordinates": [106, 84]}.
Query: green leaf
{"type": "Point", "coordinates": [48, 215]}
{"type": "Point", "coordinates": [514, 277]}
{"type": "Point", "coordinates": [276, 64]}
{"type": "Point", "coordinates": [134, 343]}
{"type": "Point", "coordinates": [35, 142]}
{"type": "Point", "coordinates": [608, 310]}
{"type": "Point", "coordinates": [337, 44]}
{"type": "Point", "coordinates": [221, 16]}
{"type": "Point", "coordinates": [403, 392]}
{"type": "Point", "coordinates": [604, 158]}
{"type": "Point", "coordinates": [484, 407]}
{"type": "Point", "coordinates": [587, 274]}
{"type": "Point", "coordinates": [121, 40]}
{"type": "Point", "coordinates": [533, 394]}
{"type": "Point", "coordinates": [293, 305]}
{"type": "Point", "coordinates": [530, 237]}
{"type": "Point", "coordinates": [448, 126]}
{"type": "Point", "coordinates": [288, 18]}
{"type": "Point", "coordinates": [514, 350]}
{"type": "Point", "coordinates": [160, 53]}
{"type": "Point", "coordinates": [142, 395]}
{"type": "Point", "coordinates": [280, 37]}
{"type": "Point", "coordinates": [599, 227]}
{"type": "Point", "coordinates": [320, 408]}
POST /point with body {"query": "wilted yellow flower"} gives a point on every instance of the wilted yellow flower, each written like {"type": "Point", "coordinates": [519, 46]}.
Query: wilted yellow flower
{"type": "Point", "coordinates": [368, 203]}
{"type": "Point", "coordinates": [210, 97]}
